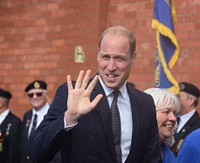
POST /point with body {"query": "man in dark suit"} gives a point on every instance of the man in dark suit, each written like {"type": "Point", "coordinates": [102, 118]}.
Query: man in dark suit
{"type": "Point", "coordinates": [83, 116]}
{"type": "Point", "coordinates": [188, 118]}
{"type": "Point", "coordinates": [38, 96]}
{"type": "Point", "coordinates": [10, 130]}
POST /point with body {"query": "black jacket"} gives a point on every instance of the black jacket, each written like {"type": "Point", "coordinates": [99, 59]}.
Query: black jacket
{"type": "Point", "coordinates": [192, 124]}
{"type": "Point", "coordinates": [91, 140]}
{"type": "Point", "coordinates": [10, 139]}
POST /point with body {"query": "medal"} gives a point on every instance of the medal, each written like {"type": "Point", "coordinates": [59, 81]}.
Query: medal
{"type": "Point", "coordinates": [1, 141]}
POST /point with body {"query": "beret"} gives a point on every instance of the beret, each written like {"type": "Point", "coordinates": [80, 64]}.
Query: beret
{"type": "Point", "coordinates": [36, 84]}
{"type": "Point", "coordinates": [5, 94]}
{"type": "Point", "coordinates": [189, 88]}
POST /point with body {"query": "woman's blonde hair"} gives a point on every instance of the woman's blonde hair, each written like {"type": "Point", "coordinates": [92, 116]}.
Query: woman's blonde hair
{"type": "Point", "coordinates": [162, 99]}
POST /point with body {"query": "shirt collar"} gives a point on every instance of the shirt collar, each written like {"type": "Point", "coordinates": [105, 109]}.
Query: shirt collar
{"type": "Point", "coordinates": [42, 111]}
{"type": "Point", "coordinates": [187, 115]}
{"type": "Point", "coordinates": [4, 115]}
{"type": "Point", "coordinates": [108, 91]}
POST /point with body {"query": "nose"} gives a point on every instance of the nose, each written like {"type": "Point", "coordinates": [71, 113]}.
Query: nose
{"type": "Point", "coordinates": [172, 117]}
{"type": "Point", "coordinates": [111, 65]}
{"type": "Point", "coordinates": [34, 95]}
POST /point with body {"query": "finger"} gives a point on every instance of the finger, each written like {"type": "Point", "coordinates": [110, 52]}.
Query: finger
{"type": "Point", "coordinates": [86, 79]}
{"type": "Point", "coordinates": [79, 79]}
{"type": "Point", "coordinates": [93, 83]}
{"type": "Point", "coordinates": [96, 100]}
{"type": "Point", "coordinates": [69, 82]}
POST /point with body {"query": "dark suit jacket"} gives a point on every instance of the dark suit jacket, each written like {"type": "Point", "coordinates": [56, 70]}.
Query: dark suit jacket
{"type": "Point", "coordinates": [24, 140]}
{"type": "Point", "coordinates": [91, 140]}
{"type": "Point", "coordinates": [192, 124]}
{"type": "Point", "coordinates": [11, 131]}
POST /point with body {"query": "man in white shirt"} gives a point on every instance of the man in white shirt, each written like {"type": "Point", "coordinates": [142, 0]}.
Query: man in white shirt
{"type": "Point", "coordinates": [102, 119]}
{"type": "Point", "coordinates": [189, 119]}
{"type": "Point", "coordinates": [10, 130]}
{"type": "Point", "coordinates": [38, 96]}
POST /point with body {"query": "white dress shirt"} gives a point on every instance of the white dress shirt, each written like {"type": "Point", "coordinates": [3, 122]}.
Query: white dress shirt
{"type": "Point", "coordinates": [4, 115]}
{"type": "Point", "coordinates": [40, 116]}
{"type": "Point", "coordinates": [124, 106]}
{"type": "Point", "coordinates": [184, 118]}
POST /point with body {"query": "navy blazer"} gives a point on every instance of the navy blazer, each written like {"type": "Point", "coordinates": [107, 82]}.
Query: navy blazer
{"type": "Point", "coordinates": [24, 137]}
{"type": "Point", "coordinates": [10, 130]}
{"type": "Point", "coordinates": [192, 124]}
{"type": "Point", "coordinates": [91, 141]}
{"type": "Point", "coordinates": [24, 140]}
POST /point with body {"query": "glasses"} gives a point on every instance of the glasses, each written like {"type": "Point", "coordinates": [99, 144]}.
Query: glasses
{"type": "Point", "coordinates": [38, 94]}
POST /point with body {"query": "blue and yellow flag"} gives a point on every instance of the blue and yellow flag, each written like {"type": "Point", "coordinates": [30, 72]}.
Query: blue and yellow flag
{"type": "Point", "coordinates": [167, 45]}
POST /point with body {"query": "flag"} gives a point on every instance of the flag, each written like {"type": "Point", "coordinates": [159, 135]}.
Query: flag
{"type": "Point", "coordinates": [167, 45]}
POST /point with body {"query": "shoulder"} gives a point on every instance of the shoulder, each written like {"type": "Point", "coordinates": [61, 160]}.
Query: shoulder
{"type": "Point", "coordinates": [197, 122]}
{"type": "Point", "coordinates": [168, 155]}
{"type": "Point", "coordinates": [194, 121]}
{"type": "Point", "coordinates": [142, 102]}
{"type": "Point", "coordinates": [27, 114]}
{"type": "Point", "coordinates": [139, 95]}
{"type": "Point", "coordinates": [62, 88]}
{"type": "Point", "coordinates": [193, 136]}
{"type": "Point", "coordinates": [191, 147]}
{"type": "Point", "coordinates": [14, 118]}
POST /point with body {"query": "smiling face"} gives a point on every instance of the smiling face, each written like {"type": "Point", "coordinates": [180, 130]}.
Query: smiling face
{"type": "Point", "coordinates": [166, 121]}
{"type": "Point", "coordinates": [37, 98]}
{"type": "Point", "coordinates": [167, 106]}
{"type": "Point", "coordinates": [114, 60]}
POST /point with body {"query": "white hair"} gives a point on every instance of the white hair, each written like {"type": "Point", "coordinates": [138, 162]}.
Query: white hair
{"type": "Point", "coordinates": [162, 99]}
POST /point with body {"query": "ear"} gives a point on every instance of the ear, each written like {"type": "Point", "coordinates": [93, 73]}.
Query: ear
{"type": "Point", "coordinates": [133, 59]}
{"type": "Point", "coordinates": [191, 100]}
{"type": "Point", "coordinates": [98, 57]}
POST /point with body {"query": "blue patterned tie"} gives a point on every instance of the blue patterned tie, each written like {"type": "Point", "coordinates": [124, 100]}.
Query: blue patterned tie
{"type": "Point", "coordinates": [116, 126]}
{"type": "Point", "coordinates": [34, 124]}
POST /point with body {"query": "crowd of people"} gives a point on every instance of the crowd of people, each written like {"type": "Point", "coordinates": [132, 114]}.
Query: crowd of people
{"type": "Point", "coordinates": [104, 118]}
{"type": "Point", "coordinates": [14, 132]}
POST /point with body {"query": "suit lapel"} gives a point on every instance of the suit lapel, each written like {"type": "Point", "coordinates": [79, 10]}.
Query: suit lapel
{"type": "Point", "coordinates": [5, 122]}
{"type": "Point", "coordinates": [186, 128]}
{"type": "Point", "coordinates": [27, 122]}
{"type": "Point", "coordinates": [105, 114]}
{"type": "Point", "coordinates": [136, 116]}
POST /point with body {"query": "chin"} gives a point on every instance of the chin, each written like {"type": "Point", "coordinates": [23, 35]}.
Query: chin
{"type": "Point", "coordinates": [109, 84]}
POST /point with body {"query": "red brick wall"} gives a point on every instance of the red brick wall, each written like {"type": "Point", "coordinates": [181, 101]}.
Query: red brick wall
{"type": "Point", "coordinates": [38, 39]}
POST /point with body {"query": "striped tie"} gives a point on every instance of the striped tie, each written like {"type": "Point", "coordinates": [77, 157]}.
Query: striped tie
{"type": "Point", "coordinates": [34, 124]}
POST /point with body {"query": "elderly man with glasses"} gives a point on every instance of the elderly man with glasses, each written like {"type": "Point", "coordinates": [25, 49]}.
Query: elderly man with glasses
{"type": "Point", "coordinates": [38, 96]}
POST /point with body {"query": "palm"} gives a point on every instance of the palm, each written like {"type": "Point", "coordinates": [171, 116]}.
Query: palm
{"type": "Point", "coordinates": [78, 102]}
{"type": "Point", "coordinates": [79, 99]}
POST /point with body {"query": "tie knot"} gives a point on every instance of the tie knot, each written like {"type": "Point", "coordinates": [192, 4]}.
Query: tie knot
{"type": "Point", "coordinates": [35, 116]}
{"type": "Point", "coordinates": [178, 119]}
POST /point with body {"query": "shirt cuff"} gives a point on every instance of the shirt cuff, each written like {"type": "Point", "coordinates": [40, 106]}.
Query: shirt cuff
{"type": "Point", "coordinates": [69, 127]}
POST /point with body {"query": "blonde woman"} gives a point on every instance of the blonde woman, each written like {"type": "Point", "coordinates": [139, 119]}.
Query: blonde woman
{"type": "Point", "coordinates": [167, 106]}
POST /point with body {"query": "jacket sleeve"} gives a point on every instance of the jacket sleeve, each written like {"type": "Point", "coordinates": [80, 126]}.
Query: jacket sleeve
{"type": "Point", "coordinates": [152, 151]}
{"type": "Point", "coordinates": [146, 146]}
{"type": "Point", "coordinates": [47, 139]}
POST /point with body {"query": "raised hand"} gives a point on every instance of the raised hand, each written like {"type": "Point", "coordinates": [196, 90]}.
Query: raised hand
{"type": "Point", "coordinates": [78, 102]}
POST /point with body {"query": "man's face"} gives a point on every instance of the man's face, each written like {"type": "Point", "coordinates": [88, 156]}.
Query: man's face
{"type": "Point", "coordinates": [114, 60]}
{"type": "Point", "coordinates": [37, 98]}
{"type": "Point", "coordinates": [185, 102]}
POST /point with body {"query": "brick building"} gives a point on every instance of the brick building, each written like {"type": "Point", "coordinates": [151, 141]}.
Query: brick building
{"type": "Point", "coordinates": [38, 40]}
